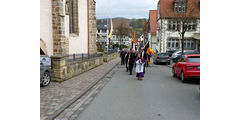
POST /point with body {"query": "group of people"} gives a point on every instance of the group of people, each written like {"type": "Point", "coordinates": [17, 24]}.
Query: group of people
{"type": "Point", "coordinates": [132, 58]}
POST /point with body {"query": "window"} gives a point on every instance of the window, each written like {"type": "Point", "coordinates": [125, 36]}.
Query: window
{"type": "Point", "coordinates": [180, 7]}
{"type": "Point", "coordinates": [194, 59]}
{"type": "Point", "coordinates": [173, 24]}
{"type": "Point", "coordinates": [189, 43]}
{"type": "Point", "coordinates": [177, 44]}
{"type": "Point", "coordinates": [73, 17]}
{"type": "Point", "coordinates": [173, 43]}
{"type": "Point", "coordinates": [169, 44]}
{"type": "Point", "coordinates": [189, 25]}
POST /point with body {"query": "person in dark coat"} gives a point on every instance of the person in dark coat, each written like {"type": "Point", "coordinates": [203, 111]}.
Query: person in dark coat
{"type": "Point", "coordinates": [122, 55]}
{"type": "Point", "coordinates": [131, 60]}
{"type": "Point", "coordinates": [136, 55]}
{"type": "Point", "coordinates": [127, 55]}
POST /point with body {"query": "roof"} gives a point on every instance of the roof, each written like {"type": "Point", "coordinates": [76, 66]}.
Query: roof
{"type": "Point", "coordinates": [166, 8]}
{"type": "Point", "coordinates": [153, 21]}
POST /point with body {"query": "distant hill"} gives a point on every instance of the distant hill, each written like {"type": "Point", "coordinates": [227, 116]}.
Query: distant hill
{"type": "Point", "coordinates": [134, 24]}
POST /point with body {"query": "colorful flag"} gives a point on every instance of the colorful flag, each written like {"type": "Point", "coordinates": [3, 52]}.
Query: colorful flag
{"type": "Point", "coordinates": [133, 37]}
{"type": "Point", "coordinates": [149, 51]}
{"type": "Point", "coordinates": [111, 29]}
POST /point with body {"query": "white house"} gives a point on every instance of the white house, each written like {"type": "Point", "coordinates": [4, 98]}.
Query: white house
{"type": "Point", "coordinates": [168, 23]}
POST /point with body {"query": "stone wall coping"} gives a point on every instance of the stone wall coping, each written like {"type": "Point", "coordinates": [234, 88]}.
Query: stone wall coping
{"type": "Point", "coordinates": [84, 60]}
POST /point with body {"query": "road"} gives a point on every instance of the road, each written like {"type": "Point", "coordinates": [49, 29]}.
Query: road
{"type": "Point", "coordinates": [158, 97]}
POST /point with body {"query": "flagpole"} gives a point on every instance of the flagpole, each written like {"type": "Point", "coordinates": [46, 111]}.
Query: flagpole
{"type": "Point", "coordinates": [107, 36]}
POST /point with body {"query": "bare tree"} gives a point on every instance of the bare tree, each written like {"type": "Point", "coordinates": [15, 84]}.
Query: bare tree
{"type": "Point", "coordinates": [122, 31]}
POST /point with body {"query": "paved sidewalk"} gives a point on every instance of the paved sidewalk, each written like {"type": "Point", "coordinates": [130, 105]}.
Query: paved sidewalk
{"type": "Point", "coordinates": [57, 96]}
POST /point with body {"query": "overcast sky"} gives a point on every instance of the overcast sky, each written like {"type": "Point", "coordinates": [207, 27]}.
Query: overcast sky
{"type": "Point", "coordinates": [124, 8]}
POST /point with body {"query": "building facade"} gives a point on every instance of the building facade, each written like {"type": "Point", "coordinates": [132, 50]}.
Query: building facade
{"type": "Point", "coordinates": [103, 30]}
{"type": "Point", "coordinates": [152, 21]}
{"type": "Point", "coordinates": [172, 14]}
{"type": "Point", "coordinates": [67, 27]}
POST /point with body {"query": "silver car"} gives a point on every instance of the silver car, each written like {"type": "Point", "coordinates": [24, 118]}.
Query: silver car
{"type": "Point", "coordinates": [45, 63]}
{"type": "Point", "coordinates": [162, 58]}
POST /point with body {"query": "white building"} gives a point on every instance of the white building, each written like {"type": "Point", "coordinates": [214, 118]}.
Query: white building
{"type": "Point", "coordinates": [168, 24]}
{"type": "Point", "coordinates": [103, 30]}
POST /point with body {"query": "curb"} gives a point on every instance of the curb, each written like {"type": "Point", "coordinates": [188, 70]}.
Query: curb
{"type": "Point", "coordinates": [59, 111]}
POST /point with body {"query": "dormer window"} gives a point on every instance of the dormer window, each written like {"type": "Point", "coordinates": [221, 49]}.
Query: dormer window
{"type": "Point", "coordinates": [180, 6]}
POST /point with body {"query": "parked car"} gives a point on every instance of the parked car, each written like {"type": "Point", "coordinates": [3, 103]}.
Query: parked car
{"type": "Point", "coordinates": [45, 63]}
{"type": "Point", "coordinates": [188, 66]}
{"type": "Point", "coordinates": [176, 55]}
{"type": "Point", "coordinates": [162, 58]}
{"type": "Point", "coordinates": [170, 52]}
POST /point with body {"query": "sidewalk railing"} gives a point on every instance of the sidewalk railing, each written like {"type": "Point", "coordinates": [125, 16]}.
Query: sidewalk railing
{"type": "Point", "coordinates": [78, 57]}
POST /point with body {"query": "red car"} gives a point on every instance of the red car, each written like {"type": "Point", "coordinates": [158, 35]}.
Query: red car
{"type": "Point", "coordinates": [188, 66]}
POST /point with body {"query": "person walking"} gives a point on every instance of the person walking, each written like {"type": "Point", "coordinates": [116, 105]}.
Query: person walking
{"type": "Point", "coordinates": [127, 55]}
{"type": "Point", "coordinates": [144, 56]}
{"type": "Point", "coordinates": [122, 55]}
{"type": "Point", "coordinates": [131, 60]}
{"type": "Point", "coordinates": [136, 55]}
{"type": "Point", "coordinates": [139, 67]}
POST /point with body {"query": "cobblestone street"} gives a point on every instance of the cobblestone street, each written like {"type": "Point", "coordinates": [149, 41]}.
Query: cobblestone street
{"type": "Point", "coordinates": [58, 96]}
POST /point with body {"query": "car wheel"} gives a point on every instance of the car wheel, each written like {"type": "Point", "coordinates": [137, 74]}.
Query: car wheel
{"type": "Point", "coordinates": [45, 79]}
{"type": "Point", "coordinates": [173, 73]}
{"type": "Point", "coordinates": [183, 79]}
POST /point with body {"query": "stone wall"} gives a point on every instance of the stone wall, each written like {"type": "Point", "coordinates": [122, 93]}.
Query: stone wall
{"type": "Point", "coordinates": [58, 71]}
{"type": "Point", "coordinates": [62, 70]}
{"type": "Point", "coordinates": [92, 27]}
{"type": "Point", "coordinates": [59, 47]}
{"type": "Point", "coordinates": [77, 67]}
{"type": "Point", "coordinates": [107, 58]}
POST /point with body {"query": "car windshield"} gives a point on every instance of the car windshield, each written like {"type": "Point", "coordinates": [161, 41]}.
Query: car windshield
{"type": "Point", "coordinates": [178, 52]}
{"type": "Point", "coordinates": [163, 55]}
{"type": "Point", "coordinates": [194, 59]}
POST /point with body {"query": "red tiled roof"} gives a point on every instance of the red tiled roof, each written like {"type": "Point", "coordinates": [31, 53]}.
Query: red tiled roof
{"type": "Point", "coordinates": [153, 21]}
{"type": "Point", "coordinates": [166, 8]}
